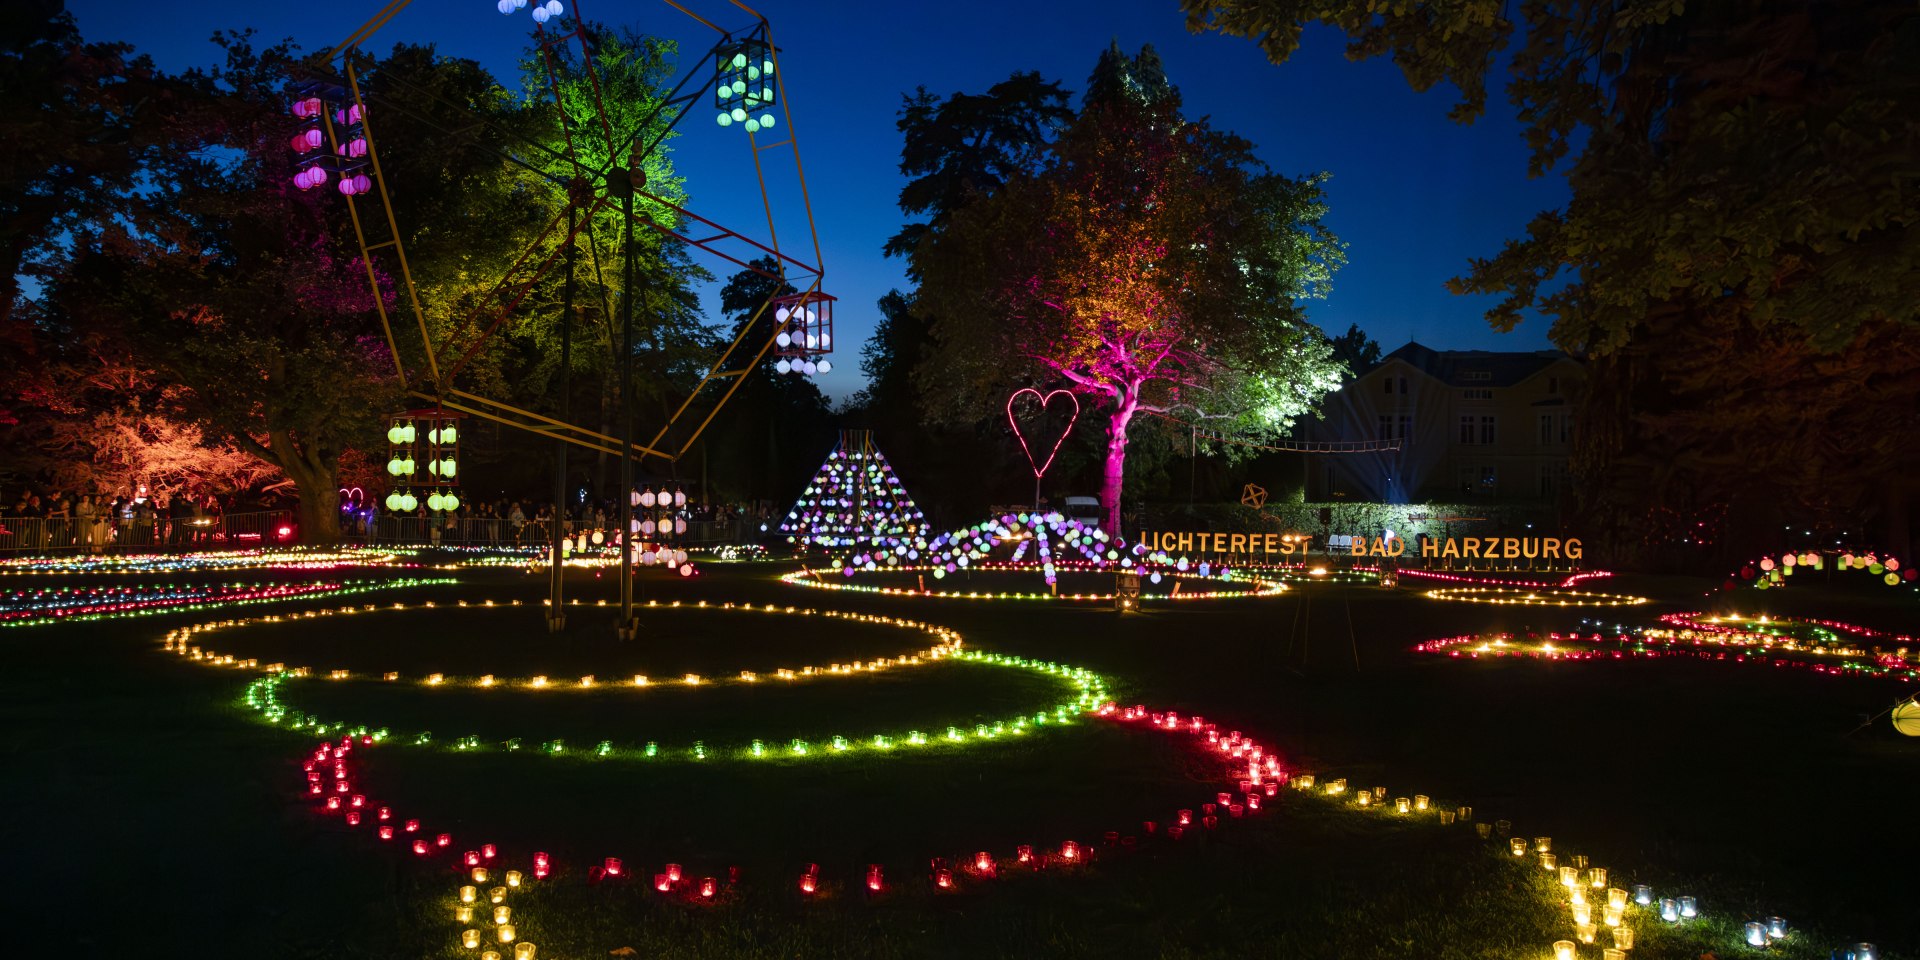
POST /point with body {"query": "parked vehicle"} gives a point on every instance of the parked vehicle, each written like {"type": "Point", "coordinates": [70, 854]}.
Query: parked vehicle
{"type": "Point", "coordinates": [1084, 509]}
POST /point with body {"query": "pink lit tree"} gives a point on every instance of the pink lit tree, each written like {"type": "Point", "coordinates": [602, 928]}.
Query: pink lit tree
{"type": "Point", "coordinates": [1152, 264]}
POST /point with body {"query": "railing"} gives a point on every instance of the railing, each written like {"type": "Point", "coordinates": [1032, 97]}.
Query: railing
{"type": "Point", "coordinates": [134, 534]}
{"type": "Point", "coordinates": [471, 531]}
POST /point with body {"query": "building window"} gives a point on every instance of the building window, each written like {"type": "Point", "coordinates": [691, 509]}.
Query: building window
{"type": "Point", "coordinates": [1477, 376]}
{"type": "Point", "coordinates": [1386, 427]}
{"type": "Point", "coordinates": [1548, 430]}
{"type": "Point", "coordinates": [1477, 394]}
{"type": "Point", "coordinates": [1388, 383]}
{"type": "Point", "coordinates": [1553, 478]}
{"type": "Point", "coordinates": [1566, 427]}
{"type": "Point", "coordinates": [1466, 429]}
{"type": "Point", "coordinates": [1403, 385]}
{"type": "Point", "coordinates": [1553, 385]}
{"type": "Point", "coordinates": [1486, 430]}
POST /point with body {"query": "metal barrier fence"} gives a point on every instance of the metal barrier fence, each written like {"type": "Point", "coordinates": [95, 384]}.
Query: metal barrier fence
{"type": "Point", "coordinates": [133, 534]}
{"type": "Point", "coordinates": [480, 531]}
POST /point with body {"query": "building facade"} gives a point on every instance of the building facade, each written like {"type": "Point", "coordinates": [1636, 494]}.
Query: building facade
{"type": "Point", "coordinates": [1473, 425]}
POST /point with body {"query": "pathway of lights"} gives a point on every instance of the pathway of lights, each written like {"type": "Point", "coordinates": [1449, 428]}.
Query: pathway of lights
{"type": "Point", "coordinates": [1769, 572]}
{"type": "Point", "coordinates": [1649, 644]}
{"type": "Point", "coordinates": [1534, 598]}
{"type": "Point", "coordinates": [1247, 776]}
{"type": "Point", "coordinates": [265, 696]}
{"type": "Point", "coordinates": [1494, 580]}
{"type": "Point", "coordinates": [1249, 586]}
{"type": "Point", "coordinates": [1763, 628]}
{"type": "Point", "coordinates": [31, 608]}
{"type": "Point", "coordinates": [1605, 914]}
{"type": "Point", "coordinates": [276, 558]}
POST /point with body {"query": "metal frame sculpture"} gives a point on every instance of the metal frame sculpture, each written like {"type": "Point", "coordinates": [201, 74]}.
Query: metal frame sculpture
{"type": "Point", "coordinates": [338, 146]}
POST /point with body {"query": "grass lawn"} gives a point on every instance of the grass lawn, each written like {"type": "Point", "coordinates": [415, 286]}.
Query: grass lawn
{"type": "Point", "coordinates": [149, 812]}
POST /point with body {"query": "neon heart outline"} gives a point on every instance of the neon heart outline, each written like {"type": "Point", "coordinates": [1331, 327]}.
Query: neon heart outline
{"type": "Point", "coordinates": [1040, 470]}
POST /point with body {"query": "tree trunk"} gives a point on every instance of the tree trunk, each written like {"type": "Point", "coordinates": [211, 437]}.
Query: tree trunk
{"type": "Point", "coordinates": [1114, 481]}
{"type": "Point", "coordinates": [314, 484]}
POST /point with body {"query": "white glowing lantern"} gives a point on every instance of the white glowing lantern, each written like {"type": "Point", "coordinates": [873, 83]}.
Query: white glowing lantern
{"type": "Point", "coordinates": [783, 367]}
{"type": "Point", "coordinates": [647, 498]}
{"type": "Point", "coordinates": [679, 498]}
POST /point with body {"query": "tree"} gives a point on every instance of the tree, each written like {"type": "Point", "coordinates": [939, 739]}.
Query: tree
{"type": "Point", "coordinates": [82, 122]}
{"type": "Point", "coordinates": [243, 295]}
{"type": "Point", "coordinates": [1356, 351]}
{"type": "Point", "coordinates": [1153, 264]}
{"type": "Point", "coordinates": [1739, 165]}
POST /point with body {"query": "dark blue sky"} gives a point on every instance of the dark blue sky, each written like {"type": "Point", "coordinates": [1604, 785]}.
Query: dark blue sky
{"type": "Point", "coordinates": [1412, 194]}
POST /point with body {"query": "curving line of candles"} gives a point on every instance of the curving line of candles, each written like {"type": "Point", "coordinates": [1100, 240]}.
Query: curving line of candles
{"type": "Point", "coordinates": [1255, 587]}
{"type": "Point", "coordinates": [1647, 644]}
{"type": "Point", "coordinates": [1534, 598]}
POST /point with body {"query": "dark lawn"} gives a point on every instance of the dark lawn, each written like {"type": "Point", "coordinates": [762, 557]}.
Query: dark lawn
{"type": "Point", "coordinates": [146, 812]}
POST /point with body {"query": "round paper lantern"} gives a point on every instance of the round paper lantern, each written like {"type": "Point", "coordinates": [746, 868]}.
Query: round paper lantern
{"type": "Point", "coordinates": [433, 501]}
{"type": "Point", "coordinates": [679, 498]}
{"type": "Point", "coordinates": [448, 467]}
{"type": "Point", "coordinates": [393, 500]}
{"type": "Point", "coordinates": [408, 502]}
{"type": "Point", "coordinates": [1906, 718]}
{"type": "Point", "coordinates": [783, 367]}
{"type": "Point", "coordinates": [725, 119]}
{"type": "Point", "coordinates": [686, 569]}
{"type": "Point", "coordinates": [826, 366]}
{"type": "Point", "coordinates": [449, 503]}
{"type": "Point", "coordinates": [393, 466]}
{"type": "Point", "coordinates": [540, 14]}
{"type": "Point", "coordinates": [599, 538]}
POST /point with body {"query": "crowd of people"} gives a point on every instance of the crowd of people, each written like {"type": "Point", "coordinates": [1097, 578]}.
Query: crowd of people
{"type": "Point", "coordinates": [89, 523]}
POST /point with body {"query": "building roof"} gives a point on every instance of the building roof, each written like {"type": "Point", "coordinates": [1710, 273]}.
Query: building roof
{"type": "Point", "coordinates": [1474, 368]}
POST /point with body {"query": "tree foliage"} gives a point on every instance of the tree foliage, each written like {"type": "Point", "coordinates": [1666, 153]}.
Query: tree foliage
{"type": "Point", "coordinates": [1742, 177]}
{"type": "Point", "coordinates": [1152, 264]}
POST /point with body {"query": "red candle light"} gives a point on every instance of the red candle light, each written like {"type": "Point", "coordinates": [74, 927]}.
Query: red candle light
{"type": "Point", "coordinates": [541, 866]}
{"type": "Point", "coordinates": [471, 858]}
{"type": "Point", "coordinates": [874, 877]}
{"type": "Point", "coordinates": [1069, 851]}
{"type": "Point", "coordinates": [1210, 822]}
{"type": "Point", "coordinates": [943, 879]}
{"type": "Point", "coordinates": [613, 866]}
{"type": "Point", "coordinates": [1235, 809]}
{"type": "Point", "coordinates": [662, 882]}
{"type": "Point", "coordinates": [443, 839]}
{"type": "Point", "coordinates": [808, 882]}
{"type": "Point", "coordinates": [386, 813]}
{"type": "Point", "coordinates": [413, 826]}
{"type": "Point", "coordinates": [358, 801]}
{"type": "Point", "coordinates": [1184, 817]}
{"type": "Point", "coordinates": [983, 862]}
{"type": "Point", "coordinates": [1270, 788]}
{"type": "Point", "coordinates": [420, 847]}
{"type": "Point", "coordinates": [314, 789]}
{"type": "Point", "coordinates": [1148, 826]}
{"type": "Point", "coordinates": [488, 851]}
{"type": "Point", "coordinates": [386, 833]}
{"type": "Point", "coordinates": [333, 804]}
{"type": "Point", "coordinates": [1023, 853]}
{"type": "Point", "coordinates": [353, 818]}
{"type": "Point", "coordinates": [707, 888]}
{"type": "Point", "coordinates": [673, 872]}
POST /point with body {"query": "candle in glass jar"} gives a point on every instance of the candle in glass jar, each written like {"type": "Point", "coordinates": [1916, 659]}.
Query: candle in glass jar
{"type": "Point", "coordinates": [1688, 908]}
{"type": "Point", "coordinates": [1669, 910]}
{"type": "Point", "coordinates": [470, 939]}
{"type": "Point", "coordinates": [505, 932]}
{"type": "Point", "coordinates": [1623, 937]}
{"type": "Point", "coordinates": [1563, 950]}
{"type": "Point", "coordinates": [1586, 932]}
{"type": "Point", "coordinates": [1518, 845]}
{"type": "Point", "coordinates": [1756, 934]}
{"type": "Point", "coordinates": [523, 951]}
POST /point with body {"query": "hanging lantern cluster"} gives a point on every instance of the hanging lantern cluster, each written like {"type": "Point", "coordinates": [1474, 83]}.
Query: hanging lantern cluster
{"type": "Point", "coordinates": [658, 518]}
{"type": "Point", "coordinates": [437, 466]}
{"type": "Point", "coordinates": [542, 12]}
{"type": "Point", "coordinates": [744, 91]}
{"type": "Point", "coordinates": [334, 152]}
{"type": "Point", "coordinates": [804, 325]}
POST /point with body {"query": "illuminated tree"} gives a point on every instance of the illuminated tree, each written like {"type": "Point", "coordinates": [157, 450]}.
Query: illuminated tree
{"type": "Point", "coordinates": [1153, 264]}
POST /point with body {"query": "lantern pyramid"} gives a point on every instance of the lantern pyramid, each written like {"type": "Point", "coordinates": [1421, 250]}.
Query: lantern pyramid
{"type": "Point", "coordinates": [855, 497]}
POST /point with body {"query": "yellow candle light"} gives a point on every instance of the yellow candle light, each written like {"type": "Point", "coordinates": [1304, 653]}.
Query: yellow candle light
{"type": "Point", "coordinates": [506, 933]}
{"type": "Point", "coordinates": [470, 939]}
{"type": "Point", "coordinates": [1519, 846]}
{"type": "Point", "coordinates": [1615, 916]}
{"type": "Point", "coordinates": [497, 895]}
{"type": "Point", "coordinates": [1623, 937]}
{"type": "Point", "coordinates": [1569, 876]}
{"type": "Point", "coordinates": [513, 878]}
{"type": "Point", "coordinates": [490, 955]}
{"type": "Point", "coordinates": [1542, 844]}
{"type": "Point", "coordinates": [1586, 932]}
{"type": "Point", "coordinates": [1612, 953]}
{"type": "Point", "coordinates": [479, 874]}
{"type": "Point", "coordinates": [1402, 805]}
{"type": "Point", "coordinates": [467, 894]}
{"type": "Point", "coordinates": [1547, 862]}
{"type": "Point", "coordinates": [1577, 896]}
{"type": "Point", "coordinates": [1420, 802]}
{"type": "Point", "coordinates": [1582, 914]}
{"type": "Point", "coordinates": [1616, 899]}
{"type": "Point", "coordinates": [523, 951]}
{"type": "Point", "coordinates": [1598, 878]}
{"type": "Point", "coordinates": [1563, 950]}
{"type": "Point", "coordinates": [463, 914]}
{"type": "Point", "coordinates": [501, 914]}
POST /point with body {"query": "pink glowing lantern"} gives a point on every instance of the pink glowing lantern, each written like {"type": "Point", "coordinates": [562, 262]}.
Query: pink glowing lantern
{"type": "Point", "coordinates": [413, 826]}
{"type": "Point", "coordinates": [1023, 853]}
{"type": "Point", "coordinates": [386, 833]}
{"type": "Point", "coordinates": [542, 865]}
{"type": "Point", "coordinates": [662, 882]}
{"type": "Point", "coordinates": [874, 878]}
{"type": "Point", "coordinates": [613, 866]}
{"type": "Point", "coordinates": [809, 882]}
{"type": "Point", "coordinates": [707, 888]}
{"type": "Point", "coordinates": [353, 818]}
{"type": "Point", "coordinates": [443, 839]}
{"type": "Point", "coordinates": [1070, 851]}
{"type": "Point", "coordinates": [488, 851]}
{"type": "Point", "coordinates": [420, 847]}
{"type": "Point", "coordinates": [673, 872]}
{"type": "Point", "coordinates": [943, 879]}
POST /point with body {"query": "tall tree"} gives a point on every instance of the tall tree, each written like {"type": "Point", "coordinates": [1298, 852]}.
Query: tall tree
{"type": "Point", "coordinates": [244, 295]}
{"type": "Point", "coordinates": [1356, 351]}
{"type": "Point", "coordinates": [82, 122]}
{"type": "Point", "coordinates": [1154, 265]}
{"type": "Point", "coordinates": [1740, 165]}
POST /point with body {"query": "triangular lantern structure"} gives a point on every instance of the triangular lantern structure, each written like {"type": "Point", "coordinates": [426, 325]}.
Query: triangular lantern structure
{"type": "Point", "coordinates": [855, 497]}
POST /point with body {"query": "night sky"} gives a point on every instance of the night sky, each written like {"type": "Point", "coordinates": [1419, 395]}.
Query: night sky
{"type": "Point", "coordinates": [1413, 194]}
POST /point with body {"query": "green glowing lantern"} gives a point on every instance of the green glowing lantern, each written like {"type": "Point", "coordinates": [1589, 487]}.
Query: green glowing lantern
{"type": "Point", "coordinates": [448, 468]}
{"type": "Point", "coordinates": [753, 73]}
{"type": "Point", "coordinates": [739, 88]}
{"type": "Point", "coordinates": [725, 119]}
{"type": "Point", "coordinates": [739, 115]}
{"type": "Point", "coordinates": [393, 500]}
{"type": "Point", "coordinates": [766, 67]}
{"type": "Point", "coordinates": [394, 465]}
{"type": "Point", "coordinates": [739, 60]}
{"type": "Point", "coordinates": [393, 435]}
{"type": "Point", "coordinates": [766, 121]}
{"type": "Point", "coordinates": [753, 126]}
